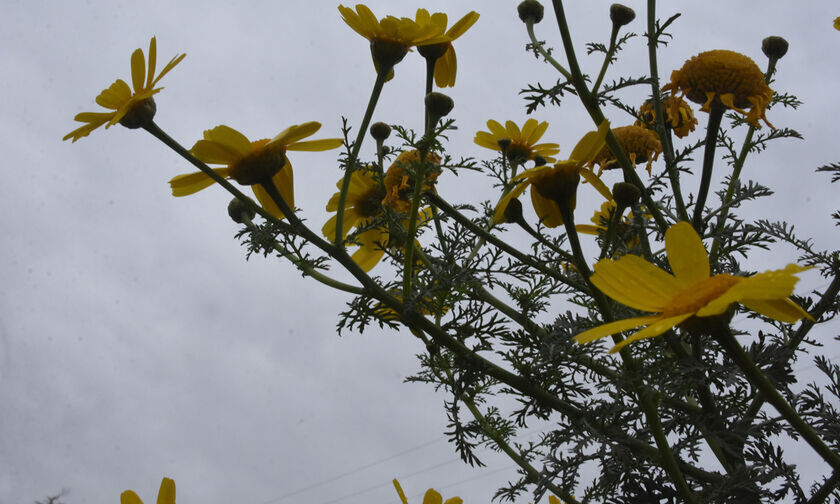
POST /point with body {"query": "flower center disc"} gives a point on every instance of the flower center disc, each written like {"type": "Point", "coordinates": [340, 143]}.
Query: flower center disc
{"type": "Point", "coordinates": [697, 296]}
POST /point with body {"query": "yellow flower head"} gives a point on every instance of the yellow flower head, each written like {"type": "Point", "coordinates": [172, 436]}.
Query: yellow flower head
{"type": "Point", "coordinates": [678, 115]}
{"type": "Point", "coordinates": [251, 163]}
{"type": "Point", "coordinates": [558, 183]}
{"type": "Point", "coordinates": [523, 142]}
{"type": "Point", "coordinates": [132, 110]}
{"type": "Point", "coordinates": [724, 77]}
{"type": "Point", "coordinates": [166, 494]}
{"type": "Point", "coordinates": [390, 37]}
{"type": "Point", "coordinates": [443, 52]}
{"type": "Point", "coordinates": [399, 186]}
{"type": "Point", "coordinates": [639, 143]}
{"type": "Point", "coordinates": [837, 23]}
{"type": "Point", "coordinates": [689, 292]}
{"type": "Point", "coordinates": [431, 497]}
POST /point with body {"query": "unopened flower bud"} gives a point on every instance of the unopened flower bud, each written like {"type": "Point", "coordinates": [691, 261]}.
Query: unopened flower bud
{"type": "Point", "coordinates": [513, 212]}
{"type": "Point", "coordinates": [140, 114]}
{"type": "Point", "coordinates": [238, 210]}
{"type": "Point", "coordinates": [626, 194]}
{"type": "Point", "coordinates": [621, 15]}
{"type": "Point", "coordinates": [774, 47]}
{"type": "Point", "coordinates": [530, 11]}
{"type": "Point", "coordinates": [438, 104]}
{"type": "Point", "coordinates": [380, 131]}
{"type": "Point", "coordinates": [539, 160]}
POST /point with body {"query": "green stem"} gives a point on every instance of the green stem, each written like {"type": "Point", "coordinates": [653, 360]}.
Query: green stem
{"type": "Point", "coordinates": [715, 116]}
{"type": "Point", "coordinates": [661, 129]}
{"type": "Point", "coordinates": [354, 154]}
{"type": "Point", "coordinates": [609, 235]}
{"type": "Point", "coordinates": [607, 59]}
{"type": "Point", "coordinates": [756, 377]}
{"type": "Point", "coordinates": [542, 239]}
{"type": "Point", "coordinates": [539, 48]}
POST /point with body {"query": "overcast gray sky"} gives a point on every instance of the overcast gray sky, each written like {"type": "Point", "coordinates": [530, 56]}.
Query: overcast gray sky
{"type": "Point", "coordinates": [136, 341]}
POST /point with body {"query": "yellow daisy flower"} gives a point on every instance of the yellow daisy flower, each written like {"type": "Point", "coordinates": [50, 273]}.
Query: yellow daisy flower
{"type": "Point", "coordinates": [523, 142]}
{"type": "Point", "coordinates": [837, 23]}
{"type": "Point", "coordinates": [399, 187]}
{"type": "Point", "coordinates": [727, 77]}
{"type": "Point", "coordinates": [639, 144]}
{"type": "Point", "coordinates": [689, 292]}
{"type": "Point", "coordinates": [446, 64]}
{"type": "Point", "coordinates": [390, 37]}
{"type": "Point", "coordinates": [251, 163]}
{"type": "Point", "coordinates": [431, 496]}
{"type": "Point", "coordinates": [678, 115]}
{"type": "Point", "coordinates": [364, 204]}
{"type": "Point", "coordinates": [166, 494]}
{"type": "Point", "coordinates": [599, 219]}
{"type": "Point", "coordinates": [132, 110]}
{"type": "Point", "coordinates": [558, 182]}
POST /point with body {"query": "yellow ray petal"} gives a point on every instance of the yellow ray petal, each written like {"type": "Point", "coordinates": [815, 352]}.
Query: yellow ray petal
{"type": "Point", "coordinates": [513, 130]}
{"type": "Point", "coordinates": [166, 495]}
{"type": "Point", "coordinates": [115, 96]}
{"type": "Point", "coordinates": [686, 254]}
{"type": "Point", "coordinates": [591, 144]}
{"type": "Point", "coordinates": [497, 129]}
{"type": "Point", "coordinates": [138, 70]}
{"type": "Point", "coordinates": [152, 63]}
{"type": "Point", "coordinates": [191, 183]}
{"type": "Point", "coordinates": [783, 310]}
{"type": "Point", "coordinates": [432, 497]}
{"type": "Point", "coordinates": [400, 491]}
{"type": "Point", "coordinates": [446, 68]}
{"type": "Point", "coordinates": [370, 252]}
{"type": "Point", "coordinates": [316, 145]}
{"type": "Point", "coordinates": [129, 497]}
{"type": "Point", "coordinates": [462, 25]}
{"type": "Point", "coordinates": [297, 132]}
{"type": "Point", "coordinates": [499, 212]}
{"type": "Point", "coordinates": [230, 138]}
{"type": "Point", "coordinates": [635, 282]}
{"type": "Point", "coordinates": [612, 328]}
{"type": "Point", "coordinates": [547, 210]}
{"type": "Point", "coordinates": [487, 140]}
{"type": "Point", "coordinates": [655, 329]}
{"type": "Point", "coordinates": [596, 182]}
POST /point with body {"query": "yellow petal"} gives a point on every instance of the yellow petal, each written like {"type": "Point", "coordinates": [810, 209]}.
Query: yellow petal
{"type": "Point", "coordinates": [446, 68]}
{"type": "Point", "coordinates": [499, 212]}
{"type": "Point", "coordinates": [152, 63]}
{"type": "Point", "coordinates": [596, 182]}
{"type": "Point", "coordinates": [400, 491]}
{"type": "Point", "coordinates": [166, 494]}
{"type": "Point", "coordinates": [613, 328]}
{"type": "Point", "coordinates": [266, 202]}
{"type": "Point", "coordinates": [538, 132]}
{"type": "Point", "coordinates": [297, 132]}
{"type": "Point", "coordinates": [229, 138]}
{"type": "Point", "coordinates": [454, 500]}
{"type": "Point", "coordinates": [686, 254]}
{"type": "Point", "coordinates": [547, 210]}
{"type": "Point", "coordinates": [636, 283]}
{"type": "Point", "coordinates": [115, 96]}
{"type": "Point", "coordinates": [215, 153]}
{"type": "Point", "coordinates": [169, 66]}
{"type": "Point", "coordinates": [487, 140]}
{"type": "Point", "coordinates": [316, 145]}
{"type": "Point", "coordinates": [775, 284]}
{"type": "Point", "coordinates": [462, 25]}
{"type": "Point", "coordinates": [655, 329]}
{"type": "Point", "coordinates": [513, 130]}
{"type": "Point", "coordinates": [138, 70]}
{"type": "Point", "coordinates": [528, 130]}
{"type": "Point", "coordinates": [432, 497]}
{"type": "Point", "coordinates": [497, 129]}
{"type": "Point", "coordinates": [284, 181]}
{"type": "Point", "coordinates": [129, 497]}
{"type": "Point", "coordinates": [591, 144]}
{"type": "Point", "coordinates": [371, 251]}
{"type": "Point", "coordinates": [191, 183]}
{"type": "Point", "coordinates": [783, 310]}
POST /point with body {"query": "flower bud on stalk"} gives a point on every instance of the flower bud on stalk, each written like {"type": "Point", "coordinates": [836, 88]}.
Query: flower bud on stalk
{"type": "Point", "coordinates": [774, 47]}
{"type": "Point", "coordinates": [621, 15]}
{"type": "Point", "coordinates": [530, 11]}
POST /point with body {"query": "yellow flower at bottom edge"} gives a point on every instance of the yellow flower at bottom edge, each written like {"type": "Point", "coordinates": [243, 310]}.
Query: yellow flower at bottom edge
{"type": "Point", "coordinates": [166, 494]}
{"type": "Point", "coordinates": [249, 162]}
{"type": "Point", "coordinates": [548, 183]}
{"type": "Point", "coordinates": [689, 292]}
{"type": "Point", "coordinates": [431, 497]}
{"type": "Point", "coordinates": [446, 64]}
{"type": "Point", "coordinates": [523, 142]}
{"type": "Point", "coordinates": [119, 98]}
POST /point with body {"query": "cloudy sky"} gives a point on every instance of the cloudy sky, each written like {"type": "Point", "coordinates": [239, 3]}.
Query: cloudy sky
{"type": "Point", "coordinates": [137, 342]}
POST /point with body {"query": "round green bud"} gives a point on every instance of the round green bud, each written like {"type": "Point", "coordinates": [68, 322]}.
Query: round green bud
{"type": "Point", "coordinates": [774, 47]}
{"type": "Point", "coordinates": [438, 104]}
{"type": "Point", "coordinates": [621, 15]}
{"type": "Point", "coordinates": [626, 194]}
{"type": "Point", "coordinates": [238, 209]}
{"type": "Point", "coordinates": [513, 212]}
{"type": "Point", "coordinates": [530, 11]}
{"type": "Point", "coordinates": [380, 131]}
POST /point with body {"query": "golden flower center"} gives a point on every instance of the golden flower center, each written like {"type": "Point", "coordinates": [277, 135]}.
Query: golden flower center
{"type": "Point", "coordinates": [697, 296]}
{"type": "Point", "coordinates": [721, 72]}
{"type": "Point", "coordinates": [259, 166]}
{"type": "Point", "coordinates": [519, 151]}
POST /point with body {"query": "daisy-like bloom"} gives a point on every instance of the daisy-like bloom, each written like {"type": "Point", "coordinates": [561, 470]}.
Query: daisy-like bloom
{"type": "Point", "coordinates": [399, 187]}
{"type": "Point", "coordinates": [678, 115]}
{"type": "Point", "coordinates": [725, 77]}
{"type": "Point", "coordinates": [131, 109]}
{"type": "Point", "coordinates": [390, 37]}
{"type": "Point", "coordinates": [166, 494]}
{"type": "Point", "coordinates": [523, 142]}
{"type": "Point", "coordinates": [431, 497]}
{"type": "Point", "coordinates": [640, 145]}
{"type": "Point", "coordinates": [837, 23]}
{"type": "Point", "coordinates": [689, 292]}
{"type": "Point", "coordinates": [599, 219]}
{"type": "Point", "coordinates": [552, 185]}
{"type": "Point", "coordinates": [363, 208]}
{"type": "Point", "coordinates": [444, 54]}
{"type": "Point", "coordinates": [252, 163]}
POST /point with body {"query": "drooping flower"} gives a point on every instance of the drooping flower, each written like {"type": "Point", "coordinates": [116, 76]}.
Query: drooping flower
{"type": "Point", "coordinates": [523, 142]}
{"type": "Point", "coordinates": [689, 292]}
{"type": "Point", "coordinates": [558, 183]}
{"type": "Point", "coordinates": [390, 37]}
{"type": "Point", "coordinates": [166, 494]}
{"type": "Point", "coordinates": [364, 209]}
{"type": "Point", "coordinates": [252, 163]}
{"type": "Point", "coordinates": [639, 144]}
{"type": "Point", "coordinates": [131, 109]}
{"type": "Point", "coordinates": [446, 64]}
{"type": "Point", "coordinates": [399, 186]}
{"type": "Point", "coordinates": [725, 77]}
{"type": "Point", "coordinates": [431, 496]}
{"type": "Point", "coordinates": [678, 115]}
